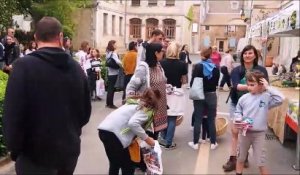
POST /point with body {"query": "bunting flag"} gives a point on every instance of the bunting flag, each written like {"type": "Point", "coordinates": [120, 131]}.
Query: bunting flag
{"type": "Point", "coordinates": [190, 16]}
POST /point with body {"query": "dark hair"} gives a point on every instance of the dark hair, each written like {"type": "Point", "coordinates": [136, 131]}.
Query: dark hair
{"type": "Point", "coordinates": [30, 45]}
{"type": "Point", "coordinates": [132, 45]}
{"type": "Point", "coordinates": [229, 50]}
{"type": "Point", "coordinates": [65, 41]}
{"type": "Point", "coordinates": [139, 41]}
{"type": "Point", "coordinates": [157, 32]}
{"type": "Point", "coordinates": [254, 76]}
{"type": "Point", "coordinates": [110, 46]}
{"type": "Point", "coordinates": [183, 47]}
{"type": "Point", "coordinates": [247, 48]}
{"type": "Point", "coordinates": [48, 29]}
{"type": "Point", "coordinates": [151, 48]}
{"type": "Point", "coordinates": [149, 98]}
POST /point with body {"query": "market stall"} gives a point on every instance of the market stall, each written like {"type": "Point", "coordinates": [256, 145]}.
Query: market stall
{"type": "Point", "coordinates": [285, 25]}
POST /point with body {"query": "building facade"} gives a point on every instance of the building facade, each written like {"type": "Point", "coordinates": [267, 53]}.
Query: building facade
{"type": "Point", "coordinates": [222, 25]}
{"type": "Point", "coordinates": [128, 20]}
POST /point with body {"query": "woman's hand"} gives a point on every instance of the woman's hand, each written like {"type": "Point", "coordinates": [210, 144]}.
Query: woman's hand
{"type": "Point", "coordinates": [150, 141]}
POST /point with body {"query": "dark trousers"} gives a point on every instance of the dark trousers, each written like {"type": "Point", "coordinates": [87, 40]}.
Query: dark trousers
{"type": "Point", "coordinates": [210, 102]}
{"type": "Point", "coordinates": [117, 155]}
{"type": "Point", "coordinates": [226, 77]}
{"type": "Point", "coordinates": [111, 89]}
{"type": "Point", "coordinates": [205, 129]}
{"type": "Point", "coordinates": [126, 81]}
{"type": "Point", "coordinates": [24, 166]}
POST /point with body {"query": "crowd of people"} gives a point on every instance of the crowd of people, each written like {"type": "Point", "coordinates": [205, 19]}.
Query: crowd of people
{"type": "Point", "coordinates": [43, 131]}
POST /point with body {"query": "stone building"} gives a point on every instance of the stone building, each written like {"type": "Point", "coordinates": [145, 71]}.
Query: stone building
{"type": "Point", "coordinates": [128, 20]}
{"type": "Point", "coordinates": [222, 24]}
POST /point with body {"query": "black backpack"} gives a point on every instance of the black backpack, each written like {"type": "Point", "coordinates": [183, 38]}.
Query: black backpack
{"type": "Point", "coordinates": [110, 62]}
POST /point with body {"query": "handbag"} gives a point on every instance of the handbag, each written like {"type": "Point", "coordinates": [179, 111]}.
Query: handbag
{"type": "Point", "coordinates": [134, 151]}
{"type": "Point", "coordinates": [110, 62]}
{"type": "Point", "coordinates": [196, 91]}
{"type": "Point", "coordinates": [120, 79]}
{"type": "Point", "coordinates": [175, 101]}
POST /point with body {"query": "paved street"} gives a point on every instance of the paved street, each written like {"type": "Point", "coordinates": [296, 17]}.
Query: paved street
{"type": "Point", "coordinates": [182, 160]}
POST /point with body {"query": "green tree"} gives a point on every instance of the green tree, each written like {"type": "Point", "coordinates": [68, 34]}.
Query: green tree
{"type": "Point", "coordinates": [7, 8]}
{"type": "Point", "coordinates": [61, 9]}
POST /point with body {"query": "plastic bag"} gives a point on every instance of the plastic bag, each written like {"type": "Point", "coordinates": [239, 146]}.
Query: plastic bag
{"type": "Point", "coordinates": [100, 87]}
{"type": "Point", "coordinates": [152, 158]}
{"type": "Point", "coordinates": [175, 101]}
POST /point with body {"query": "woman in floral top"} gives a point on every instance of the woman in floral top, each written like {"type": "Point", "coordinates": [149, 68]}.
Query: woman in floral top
{"type": "Point", "coordinates": [149, 73]}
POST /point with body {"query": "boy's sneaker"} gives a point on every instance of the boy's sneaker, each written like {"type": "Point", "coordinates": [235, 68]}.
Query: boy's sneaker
{"type": "Point", "coordinates": [194, 146]}
{"type": "Point", "coordinates": [170, 147]}
{"type": "Point", "coordinates": [202, 141]}
{"type": "Point", "coordinates": [208, 140]}
{"type": "Point", "coordinates": [213, 146]}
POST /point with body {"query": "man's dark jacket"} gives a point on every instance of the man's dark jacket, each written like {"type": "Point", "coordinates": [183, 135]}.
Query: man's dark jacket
{"type": "Point", "coordinates": [47, 103]}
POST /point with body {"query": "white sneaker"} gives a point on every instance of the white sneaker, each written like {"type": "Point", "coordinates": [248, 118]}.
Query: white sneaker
{"type": "Point", "coordinates": [208, 140]}
{"type": "Point", "coordinates": [202, 141]}
{"type": "Point", "coordinates": [194, 146]}
{"type": "Point", "coordinates": [213, 146]}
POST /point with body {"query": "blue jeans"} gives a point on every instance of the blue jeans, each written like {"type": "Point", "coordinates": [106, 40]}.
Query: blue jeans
{"type": "Point", "coordinates": [210, 102]}
{"type": "Point", "coordinates": [168, 133]}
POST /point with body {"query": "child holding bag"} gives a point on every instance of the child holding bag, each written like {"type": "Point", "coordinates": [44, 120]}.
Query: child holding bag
{"type": "Point", "coordinates": [120, 128]}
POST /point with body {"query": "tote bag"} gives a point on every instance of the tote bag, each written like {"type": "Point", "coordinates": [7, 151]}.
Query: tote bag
{"type": "Point", "coordinates": [196, 91]}
{"type": "Point", "coordinates": [176, 102]}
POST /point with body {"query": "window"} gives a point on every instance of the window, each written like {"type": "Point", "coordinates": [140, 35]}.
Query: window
{"type": "Point", "coordinates": [169, 28]}
{"type": "Point", "coordinates": [113, 27]}
{"type": "Point", "coordinates": [170, 2]}
{"type": "Point", "coordinates": [135, 28]}
{"type": "Point", "coordinates": [135, 2]}
{"type": "Point", "coordinates": [152, 2]}
{"type": "Point", "coordinates": [206, 27]}
{"type": "Point", "coordinates": [231, 28]}
{"type": "Point", "coordinates": [151, 24]}
{"type": "Point", "coordinates": [234, 5]}
{"type": "Point", "coordinates": [120, 26]}
{"type": "Point", "coordinates": [105, 23]}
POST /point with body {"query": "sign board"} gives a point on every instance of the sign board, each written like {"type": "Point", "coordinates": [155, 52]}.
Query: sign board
{"type": "Point", "coordinates": [286, 20]}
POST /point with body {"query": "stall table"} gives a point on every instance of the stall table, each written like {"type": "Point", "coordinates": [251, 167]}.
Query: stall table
{"type": "Point", "coordinates": [278, 117]}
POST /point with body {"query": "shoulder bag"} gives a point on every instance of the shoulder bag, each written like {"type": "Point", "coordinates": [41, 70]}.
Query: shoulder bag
{"type": "Point", "coordinates": [110, 62]}
{"type": "Point", "coordinates": [196, 91]}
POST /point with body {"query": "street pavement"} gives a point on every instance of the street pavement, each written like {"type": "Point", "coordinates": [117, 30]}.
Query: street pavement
{"type": "Point", "coordinates": [183, 159]}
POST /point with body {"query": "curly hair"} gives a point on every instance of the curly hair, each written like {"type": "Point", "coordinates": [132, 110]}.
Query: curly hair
{"type": "Point", "coordinates": [149, 98]}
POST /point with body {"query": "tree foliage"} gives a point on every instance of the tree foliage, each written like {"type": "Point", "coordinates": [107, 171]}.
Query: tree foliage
{"type": "Point", "coordinates": [7, 8]}
{"type": "Point", "coordinates": [60, 9]}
